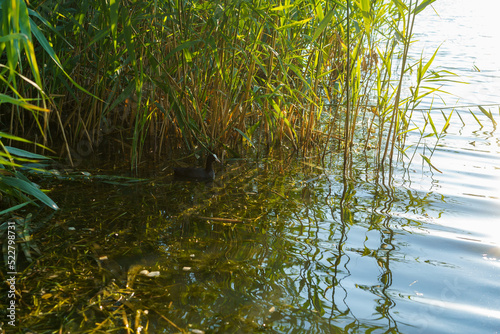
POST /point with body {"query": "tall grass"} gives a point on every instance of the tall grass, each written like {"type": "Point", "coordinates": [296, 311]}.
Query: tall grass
{"type": "Point", "coordinates": [231, 75]}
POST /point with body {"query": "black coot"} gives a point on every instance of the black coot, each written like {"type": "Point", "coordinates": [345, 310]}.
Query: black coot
{"type": "Point", "coordinates": [198, 173]}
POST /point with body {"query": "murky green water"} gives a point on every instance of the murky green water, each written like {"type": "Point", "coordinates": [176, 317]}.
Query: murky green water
{"type": "Point", "coordinates": [284, 246]}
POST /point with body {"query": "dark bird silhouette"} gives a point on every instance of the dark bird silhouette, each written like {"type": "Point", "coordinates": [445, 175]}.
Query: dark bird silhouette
{"type": "Point", "coordinates": [198, 173]}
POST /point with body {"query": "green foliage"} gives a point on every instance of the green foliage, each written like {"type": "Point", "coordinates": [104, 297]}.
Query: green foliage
{"type": "Point", "coordinates": [488, 114]}
{"type": "Point", "coordinates": [17, 49]}
{"type": "Point", "coordinates": [17, 189]}
{"type": "Point", "coordinates": [211, 74]}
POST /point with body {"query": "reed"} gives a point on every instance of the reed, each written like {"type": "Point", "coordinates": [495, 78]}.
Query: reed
{"type": "Point", "coordinates": [158, 75]}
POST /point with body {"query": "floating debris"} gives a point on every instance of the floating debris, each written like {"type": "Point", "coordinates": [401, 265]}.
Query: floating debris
{"type": "Point", "coordinates": [149, 273]}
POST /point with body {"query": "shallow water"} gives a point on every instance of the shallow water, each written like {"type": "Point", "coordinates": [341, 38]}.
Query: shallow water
{"type": "Point", "coordinates": [418, 253]}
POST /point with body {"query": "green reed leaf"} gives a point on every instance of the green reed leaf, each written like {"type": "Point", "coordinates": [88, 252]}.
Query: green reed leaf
{"type": "Point", "coordinates": [21, 103]}
{"type": "Point", "coordinates": [324, 23]}
{"type": "Point", "coordinates": [113, 17]}
{"type": "Point", "coordinates": [15, 207]}
{"type": "Point", "coordinates": [432, 125]}
{"type": "Point", "coordinates": [475, 117]}
{"type": "Point", "coordinates": [50, 51]}
{"type": "Point", "coordinates": [29, 188]}
{"type": "Point", "coordinates": [428, 161]}
{"type": "Point", "coordinates": [183, 46]}
{"type": "Point", "coordinates": [12, 37]}
{"type": "Point", "coordinates": [488, 114]}
{"type": "Point", "coordinates": [244, 135]}
{"type": "Point", "coordinates": [25, 154]}
{"type": "Point", "coordinates": [423, 5]}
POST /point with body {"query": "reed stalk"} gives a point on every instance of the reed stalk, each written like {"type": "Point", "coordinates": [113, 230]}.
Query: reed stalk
{"type": "Point", "coordinates": [214, 75]}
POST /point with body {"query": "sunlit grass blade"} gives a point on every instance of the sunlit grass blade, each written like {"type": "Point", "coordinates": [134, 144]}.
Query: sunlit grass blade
{"type": "Point", "coordinates": [447, 121]}
{"type": "Point", "coordinates": [48, 48]}
{"type": "Point", "coordinates": [21, 103]}
{"type": "Point", "coordinates": [431, 122]}
{"type": "Point", "coordinates": [247, 138]}
{"type": "Point", "coordinates": [323, 24]}
{"type": "Point", "coordinates": [428, 161]}
{"type": "Point", "coordinates": [423, 5]}
{"type": "Point", "coordinates": [488, 114]}
{"type": "Point", "coordinates": [475, 117]}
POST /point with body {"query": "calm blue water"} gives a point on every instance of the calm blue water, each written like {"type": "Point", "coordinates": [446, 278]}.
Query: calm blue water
{"type": "Point", "coordinates": [468, 154]}
{"type": "Point", "coordinates": [446, 268]}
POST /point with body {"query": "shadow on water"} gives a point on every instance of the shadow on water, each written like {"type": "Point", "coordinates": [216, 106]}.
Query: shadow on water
{"type": "Point", "coordinates": [269, 246]}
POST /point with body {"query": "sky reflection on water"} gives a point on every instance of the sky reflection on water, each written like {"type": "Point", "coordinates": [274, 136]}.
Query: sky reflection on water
{"type": "Point", "coordinates": [469, 154]}
{"type": "Point", "coordinates": [425, 258]}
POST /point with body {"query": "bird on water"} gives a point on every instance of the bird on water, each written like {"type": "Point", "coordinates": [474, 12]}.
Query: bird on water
{"type": "Point", "coordinates": [206, 173]}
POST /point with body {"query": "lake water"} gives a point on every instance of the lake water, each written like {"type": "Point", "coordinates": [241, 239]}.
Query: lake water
{"type": "Point", "coordinates": [445, 277]}
{"type": "Point", "coordinates": [418, 253]}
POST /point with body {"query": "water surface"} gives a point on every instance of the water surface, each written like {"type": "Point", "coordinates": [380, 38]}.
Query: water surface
{"type": "Point", "coordinates": [285, 246]}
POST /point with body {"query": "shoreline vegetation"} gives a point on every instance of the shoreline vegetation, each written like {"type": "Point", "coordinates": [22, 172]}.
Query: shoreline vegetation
{"type": "Point", "coordinates": [152, 79]}
{"type": "Point", "coordinates": [235, 76]}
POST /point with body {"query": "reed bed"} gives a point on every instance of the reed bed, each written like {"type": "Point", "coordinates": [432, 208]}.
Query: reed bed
{"type": "Point", "coordinates": [165, 78]}
{"type": "Point", "coordinates": [160, 75]}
